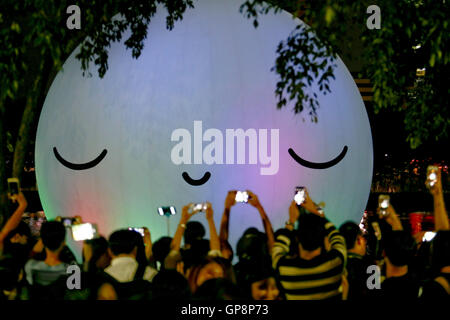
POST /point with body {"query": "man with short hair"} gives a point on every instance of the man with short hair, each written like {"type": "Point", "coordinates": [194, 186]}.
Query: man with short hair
{"type": "Point", "coordinates": [357, 262]}
{"type": "Point", "coordinates": [316, 272]}
{"type": "Point", "coordinates": [399, 249]}
{"type": "Point", "coordinates": [46, 272]}
{"type": "Point", "coordinates": [123, 246]}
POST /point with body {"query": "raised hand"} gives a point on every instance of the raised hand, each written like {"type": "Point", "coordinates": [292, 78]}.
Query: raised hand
{"type": "Point", "coordinates": [209, 211]}
{"type": "Point", "coordinates": [253, 199]}
{"type": "Point", "coordinates": [230, 200]}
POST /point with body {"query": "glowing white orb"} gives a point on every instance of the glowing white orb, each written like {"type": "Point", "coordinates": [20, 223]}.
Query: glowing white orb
{"type": "Point", "coordinates": [176, 110]}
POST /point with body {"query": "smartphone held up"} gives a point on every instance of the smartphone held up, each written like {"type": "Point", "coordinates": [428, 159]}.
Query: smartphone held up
{"type": "Point", "coordinates": [432, 175]}
{"type": "Point", "coordinates": [84, 231]}
{"type": "Point", "coordinates": [299, 196]}
{"type": "Point", "coordinates": [242, 196]}
{"type": "Point", "coordinates": [383, 204]}
{"type": "Point", "coordinates": [13, 186]}
{"type": "Point", "coordinates": [198, 207]}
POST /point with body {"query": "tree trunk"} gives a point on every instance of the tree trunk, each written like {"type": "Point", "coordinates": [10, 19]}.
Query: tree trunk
{"type": "Point", "coordinates": [3, 183]}
{"type": "Point", "coordinates": [27, 127]}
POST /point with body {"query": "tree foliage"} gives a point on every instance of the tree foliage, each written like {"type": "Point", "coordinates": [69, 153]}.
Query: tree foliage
{"type": "Point", "coordinates": [391, 56]}
{"type": "Point", "coordinates": [36, 41]}
{"type": "Point", "coordinates": [41, 25]}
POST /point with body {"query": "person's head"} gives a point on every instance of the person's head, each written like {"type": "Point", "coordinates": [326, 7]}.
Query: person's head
{"type": "Point", "coordinates": [398, 248]}
{"type": "Point", "coordinates": [98, 251]}
{"type": "Point", "coordinates": [217, 289]}
{"type": "Point", "coordinates": [209, 268]}
{"type": "Point", "coordinates": [310, 233]}
{"type": "Point", "coordinates": [265, 289]}
{"type": "Point", "coordinates": [354, 238]}
{"type": "Point", "coordinates": [53, 235]}
{"type": "Point", "coordinates": [257, 280]}
{"type": "Point", "coordinates": [170, 284]}
{"type": "Point", "coordinates": [194, 231]}
{"type": "Point", "coordinates": [18, 242]}
{"type": "Point", "coordinates": [196, 253]}
{"type": "Point", "coordinates": [161, 249]}
{"type": "Point", "coordinates": [441, 249]}
{"type": "Point", "coordinates": [20, 235]}
{"type": "Point", "coordinates": [123, 242]}
{"type": "Point", "coordinates": [252, 245]}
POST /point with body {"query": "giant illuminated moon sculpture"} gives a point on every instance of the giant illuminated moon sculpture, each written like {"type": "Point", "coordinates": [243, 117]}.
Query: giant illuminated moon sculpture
{"type": "Point", "coordinates": [161, 130]}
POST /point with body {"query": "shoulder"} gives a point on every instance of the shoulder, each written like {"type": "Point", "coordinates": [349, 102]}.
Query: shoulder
{"type": "Point", "coordinates": [34, 264]}
{"type": "Point", "coordinates": [150, 273]}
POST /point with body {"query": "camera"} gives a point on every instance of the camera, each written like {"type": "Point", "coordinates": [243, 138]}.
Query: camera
{"type": "Point", "coordinates": [13, 186]}
{"type": "Point", "coordinates": [167, 211]}
{"type": "Point", "coordinates": [85, 231]}
{"type": "Point", "coordinates": [432, 172]}
{"type": "Point", "coordinates": [198, 207]}
{"type": "Point", "coordinates": [139, 230]}
{"type": "Point", "coordinates": [299, 196]}
{"type": "Point", "coordinates": [383, 203]}
{"type": "Point", "coordinates": [242, 196]}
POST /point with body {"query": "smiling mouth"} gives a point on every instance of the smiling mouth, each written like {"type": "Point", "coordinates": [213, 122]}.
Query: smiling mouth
{"type": "Point", "coordinates": [318, 165]}
{"type": "Point", "coordinates": [79, 166]}
{"type": "Point", "coordinates": [198, 182]}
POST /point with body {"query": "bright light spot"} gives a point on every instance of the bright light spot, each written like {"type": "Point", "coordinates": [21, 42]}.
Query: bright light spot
{"type": "Point", "coordinates": [420, 72]}
{"type": "Point", "coordinates": [428, 236]}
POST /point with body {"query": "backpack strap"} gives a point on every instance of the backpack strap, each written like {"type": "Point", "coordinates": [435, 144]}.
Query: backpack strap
{"type": "Point", "coordinates": [140, 271]}
{"type": "Point", "coordinates": [444, 283]}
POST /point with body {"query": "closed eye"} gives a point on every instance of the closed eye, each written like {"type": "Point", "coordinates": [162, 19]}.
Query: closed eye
{"type": "Point", "coordinates": [318, 165]}
{"type": "Point", "coordinates": [79, 166]}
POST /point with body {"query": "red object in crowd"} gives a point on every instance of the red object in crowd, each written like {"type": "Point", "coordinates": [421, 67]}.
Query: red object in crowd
{"type": "Point", "coordinates": [418, 219]}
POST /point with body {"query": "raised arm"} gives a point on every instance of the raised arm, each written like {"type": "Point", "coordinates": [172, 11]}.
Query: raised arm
{"type": "Point", "coordinates": [148, 244]}
{"type": "Point", "coordinates": [391, 218]}
{"type": "Point", "coordinates": [283, 238]}
{"type": "Point", "coordinates": [440, 214]}
{"type": "Point", "coordinates": [230, 200]}
{"type": "Point", "coordinates": [16, 217]}
{"type": "Point", "coordinates": [214, 242]}
{"type": "Point", "coordinates": [254, 201]}
{"type": "Point", "coordinates": [335, 241]}
{"type": "Point", "coordinates": [185, 216]}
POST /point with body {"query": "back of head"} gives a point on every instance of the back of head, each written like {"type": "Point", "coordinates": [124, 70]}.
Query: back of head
{"type": "Point", "coordinates": [161, 249]}
{"type": "Point", "coordinates": [252, 245]}
{"type": "Point", "coordinates": [170, 284]}
{"type": "Point", "coordinates": [194, 231]}
{"type": "Point", "coordinates": [441, 249]}
{"type": "Point", "coordinates": [350, 231]}
{"type": "Point", "coordinates": [311, 231]}
{"type": "Point", "coordinates": [99, 248]}
{"type": "Point", "coordinates": [399, 247]}
{"type": "Point", "coordinates": [22, 229]}
{"type": "Point", "coordinates": [196, 253]}
{"type": "Point", "coordinates": [19, 250]}
{"type": "Point", "coordinates": [53, 234]}
{"type": "Point", "coordinates": [123, 241]}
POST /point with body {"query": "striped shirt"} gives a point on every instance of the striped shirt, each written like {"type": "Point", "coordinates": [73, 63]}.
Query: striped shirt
{"type": "Point", "coordinates": [315, 279]}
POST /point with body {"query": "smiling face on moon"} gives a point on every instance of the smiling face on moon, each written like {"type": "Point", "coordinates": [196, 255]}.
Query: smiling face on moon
{"type": "Point", "coordinates": [194, 117]}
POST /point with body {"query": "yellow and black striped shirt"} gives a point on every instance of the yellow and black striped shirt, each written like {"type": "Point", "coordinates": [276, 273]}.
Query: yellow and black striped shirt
{"type": "Point", "coordinates": [315, 279]}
